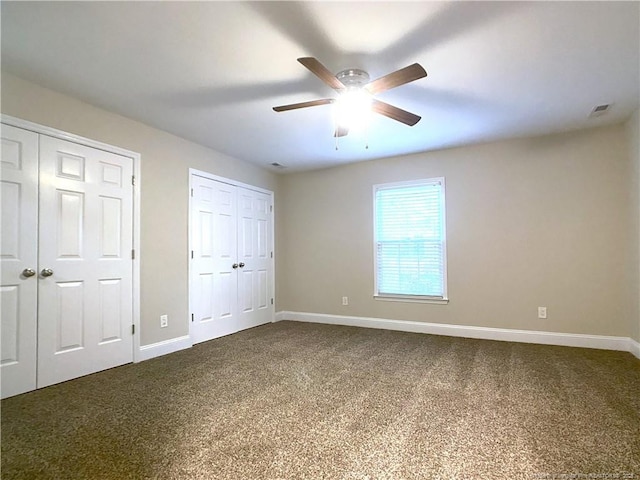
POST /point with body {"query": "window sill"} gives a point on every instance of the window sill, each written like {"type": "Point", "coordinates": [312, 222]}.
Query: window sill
{"type": "Point", "coordinates": [393, 298]}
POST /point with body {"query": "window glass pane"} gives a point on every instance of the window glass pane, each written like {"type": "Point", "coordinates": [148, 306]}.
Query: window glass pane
{"type": "Point", "coordinates": [410, 239]}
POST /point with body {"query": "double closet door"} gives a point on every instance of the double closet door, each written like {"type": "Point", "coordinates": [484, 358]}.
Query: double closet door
{"type": "Point", "coordinates": [231, 271]}
{"type": "Point", "coordinates": [66, 292]}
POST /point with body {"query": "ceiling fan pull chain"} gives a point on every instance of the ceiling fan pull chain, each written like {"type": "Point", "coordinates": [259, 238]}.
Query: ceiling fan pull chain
{"type": "Point", "coordinates": [336, 142]}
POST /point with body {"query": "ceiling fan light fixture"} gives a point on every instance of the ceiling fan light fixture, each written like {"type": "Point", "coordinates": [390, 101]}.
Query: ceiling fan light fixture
{"type": "Point", "coordinates": [352, 110]}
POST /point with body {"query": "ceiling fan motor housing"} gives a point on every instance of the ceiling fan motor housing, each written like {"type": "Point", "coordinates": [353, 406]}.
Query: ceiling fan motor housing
{"type": "Point", "coordinates": [353, 78]}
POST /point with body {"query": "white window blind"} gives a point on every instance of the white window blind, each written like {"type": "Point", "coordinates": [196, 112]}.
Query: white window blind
{"type": "Point", "coordinates": [410, 239]}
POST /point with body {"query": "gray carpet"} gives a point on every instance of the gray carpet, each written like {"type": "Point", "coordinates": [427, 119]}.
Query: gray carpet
{"type": "Point", "coordinates": [306, 401]}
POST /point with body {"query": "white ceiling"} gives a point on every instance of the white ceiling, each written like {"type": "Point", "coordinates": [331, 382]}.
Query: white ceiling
{"type": "Point", "coordinates": [211, 71]}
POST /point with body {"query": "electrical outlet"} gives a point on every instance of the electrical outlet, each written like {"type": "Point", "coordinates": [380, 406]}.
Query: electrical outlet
{"type": "Point", "coordinates": [345, 300]}
{"type": "Point", "coordinates": [164, 321]}
{"type": "Point", "coordinates": [542, 312]}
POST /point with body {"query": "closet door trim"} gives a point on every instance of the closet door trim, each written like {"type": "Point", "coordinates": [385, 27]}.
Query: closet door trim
{"type": "Point", "coordinates": [228, 181]}
{"type": "Point", "coordinates": [136, 157]}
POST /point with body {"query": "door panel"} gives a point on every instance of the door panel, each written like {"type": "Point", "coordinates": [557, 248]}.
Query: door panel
{"type": "Point", "coordinates": [225, 252]}
{"type": "Point", "coordinates": [246, 291]}
{"type": "Point", "coordinates": [202, 270]}
{"type": "Point", "coordinates": [70, 318]}
{"type": "Point", "coordinates": [110, 293]}
{"type": "Point", "coordinates": [205, 290]}
{"type": "Point", "coordinates": [86, 213]}
{"type": "Point", "coordinates": [10, 298]}
{"type": "Point", "coordinates": [70, 206]}
{"type": "Point", "coordinates": [19, 247]}
{"type": "Point", "coordinates": [255, 252]}
{"type": "Point", "coordinates": [111, 232]}
{"type": "Point", "coordinates": [213, 237]}
{"type": "Point", "coordinates": [263, 289]}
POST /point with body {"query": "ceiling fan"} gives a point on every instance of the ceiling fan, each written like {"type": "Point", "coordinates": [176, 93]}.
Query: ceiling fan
{"type": "Point", "coordinates": [355, 92]}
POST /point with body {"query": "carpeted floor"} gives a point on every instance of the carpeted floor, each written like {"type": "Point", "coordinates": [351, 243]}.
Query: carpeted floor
{"type": "Point", "coordinates": [306, 401]}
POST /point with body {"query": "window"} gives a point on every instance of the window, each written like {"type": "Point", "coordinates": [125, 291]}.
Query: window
{"type": "Point", "coordinates": [409, 236]}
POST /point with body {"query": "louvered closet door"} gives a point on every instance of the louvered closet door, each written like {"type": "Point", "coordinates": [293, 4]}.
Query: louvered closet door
{"type": "Point", "coordinates": [18, 253]}
{"type": "Point", "coordinates": [85, 239]}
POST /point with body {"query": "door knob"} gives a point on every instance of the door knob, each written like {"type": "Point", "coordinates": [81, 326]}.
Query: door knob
{"type": "Point", "coordinates": [235, 265]}
{"type": "Point", "coordinates": [46, 272]}
{"type": "Point", "coordinates": [28, 272]}
{"type": "Point", "coordinates": [241, 264]}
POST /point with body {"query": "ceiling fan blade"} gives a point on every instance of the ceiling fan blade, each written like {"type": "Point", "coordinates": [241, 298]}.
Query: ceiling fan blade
{"type": "Point", "coordinates": [322, 73]}
{"type": "Point", "coordinates": [312, 103]}
{"type": "Point", "coordinates": [395, 79]}
{"type": "Point", "coordinates": [341, 131]}
{"type": "Point", "coordinates": [395, 113]}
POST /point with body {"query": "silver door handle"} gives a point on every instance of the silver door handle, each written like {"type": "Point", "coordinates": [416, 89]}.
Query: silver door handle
{"type": "Point", "coordinates": [235, 265]}
{"type": "Point", "coordinates": [28, 272]}
{"type": "Point", "coordinates": [46, 272]}
{"type": "Point", "coordinates": [241, 264]}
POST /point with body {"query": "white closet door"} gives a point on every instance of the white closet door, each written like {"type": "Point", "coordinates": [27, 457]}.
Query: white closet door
{"type": "Point", "coordinates": [231, 268]}
{"type": "Point", "coordinates": [202, 271]}
{"type": "Point", "coordinates": [85, 232]}
{"type": "Point", "coordinates": [18, 293]}
{"type": "Point", "coordinates": [254, 254]}
{"type": "Point", "coordinates": [225, 258]}
{"type": "Point", "coordinates": [214, 265]}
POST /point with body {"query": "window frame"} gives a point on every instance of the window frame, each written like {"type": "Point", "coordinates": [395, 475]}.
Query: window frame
{"type": "Point", "coordinates": [396, 297]}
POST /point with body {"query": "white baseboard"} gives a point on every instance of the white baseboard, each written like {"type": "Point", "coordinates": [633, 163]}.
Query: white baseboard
{"type": "Point", "coordinates": [524, 336]}
{"type": "Point", "coordinates": [163, 348]}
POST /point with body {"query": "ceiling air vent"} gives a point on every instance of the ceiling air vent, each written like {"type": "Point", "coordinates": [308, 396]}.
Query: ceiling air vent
{"type": "Point", "coordinates": [277, 165]}
{"type": "Point", "coordinates": [600, 110]}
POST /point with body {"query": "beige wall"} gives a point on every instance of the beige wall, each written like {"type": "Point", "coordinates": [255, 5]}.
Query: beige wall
{"type": "Point", "coordinates": [633, 135]}
{"type": "Point", "coordinates": [166, 160]}
{"type": "Point", "coordinates": [531, 222]}
{"type": "Point", "coordinates": [542, 221]}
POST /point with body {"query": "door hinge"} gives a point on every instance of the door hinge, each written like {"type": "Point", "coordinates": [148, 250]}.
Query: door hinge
{"type": "Point", "coordinates": [192, 317]}
{"type": "Point", "coordinates": [133, 180]}
{"type": "Point", "coordinates": [133, 254]}
{"type": "Point", "coordinates": [272, 301]}
{"type": "Point", "coordinates": [133, 329]}
{"type": "Point", "coordinates": [192, 192]}
{"type": "Point", "coordinates": [271, 208]}
{"type": "Point", "coordinates": [191, 253]}
{"type": "Point", "coordinates": [271, 254]}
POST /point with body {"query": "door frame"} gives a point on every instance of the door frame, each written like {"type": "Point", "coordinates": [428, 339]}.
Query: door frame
{"type": "Point", "coordinates": [136, 157]}
{"type": "Point", "coordinates": [210, 176]}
